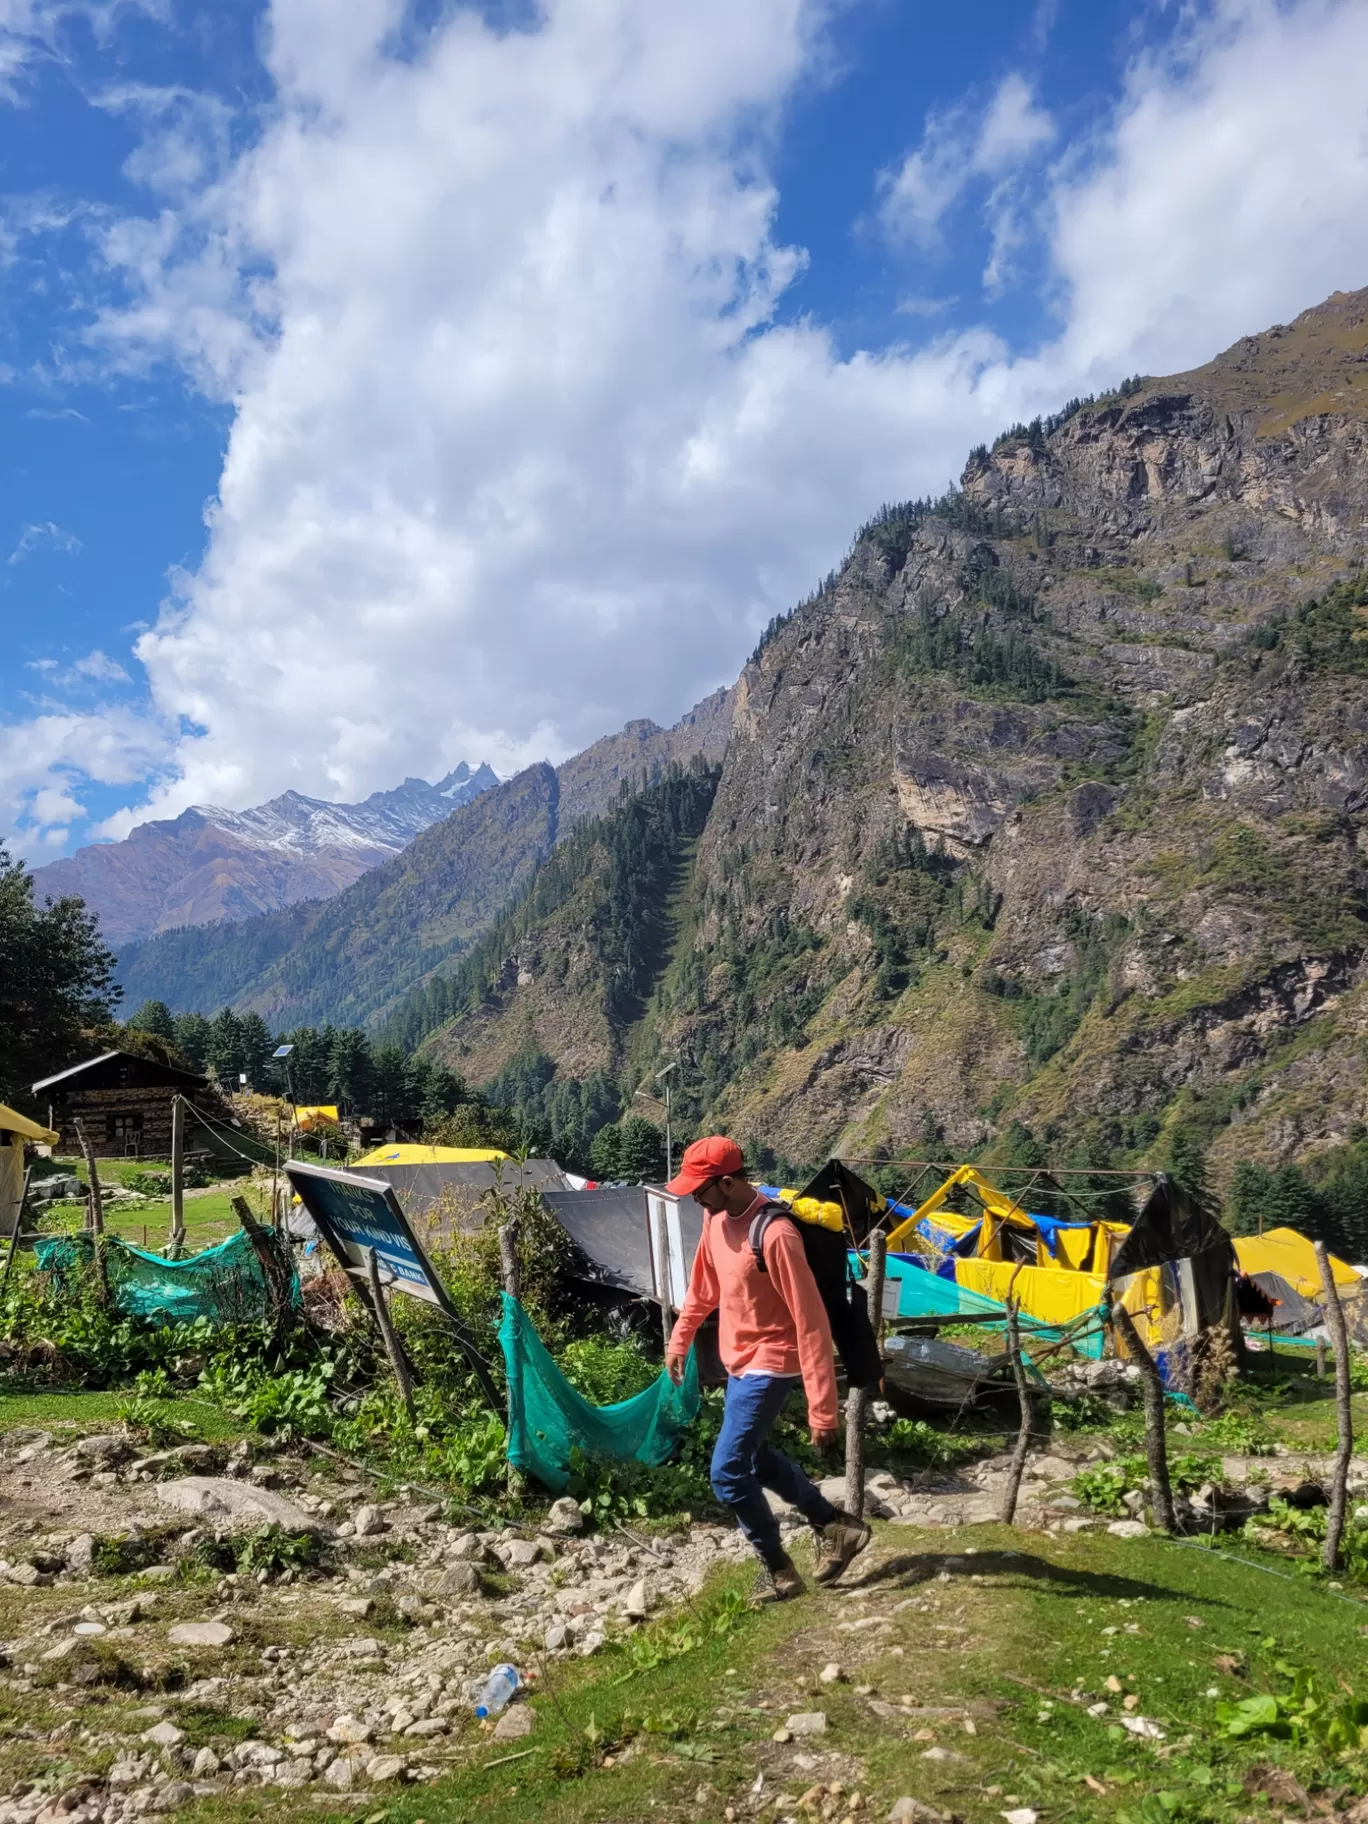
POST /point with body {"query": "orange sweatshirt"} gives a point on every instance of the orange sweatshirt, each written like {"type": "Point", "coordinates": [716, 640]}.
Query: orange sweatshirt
{"type": "Point", "coordinates": [772, 1322]}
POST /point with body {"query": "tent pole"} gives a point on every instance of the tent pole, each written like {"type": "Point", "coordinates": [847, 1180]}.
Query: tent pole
{"type": "Point", "coordinates": [1023, 1443]}
{"type": "Point", "coordinates": [390, 1340]}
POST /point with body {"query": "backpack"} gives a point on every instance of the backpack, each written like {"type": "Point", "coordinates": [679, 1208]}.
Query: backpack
{"type": "Point", "coordinates": [847, 1308]}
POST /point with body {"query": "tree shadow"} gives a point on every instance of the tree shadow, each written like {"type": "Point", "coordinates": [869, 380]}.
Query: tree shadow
{"type": "Point", "coordinates": [908, 1570]}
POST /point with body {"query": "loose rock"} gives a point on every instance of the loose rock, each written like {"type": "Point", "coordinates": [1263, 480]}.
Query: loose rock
{"type": "Point", "coordinates": [200, 1634]}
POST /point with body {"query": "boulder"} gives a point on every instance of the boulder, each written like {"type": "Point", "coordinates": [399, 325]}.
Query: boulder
{"type": "Point", "coordinates": [200, 1634]}
{"type": "Point", "coordinates": [565, 1517]}
{"type": "Point", "coordinates": [458, 1580]}
{"type": "Point", "coordinates": [515, 1723]}
{"type": "Point", "coordinates": [386, 1767]}
{"type": "Point", "coordinates": [222, 1500]}
{"type": "Point", "coordinates": [1128, 1529]}
{"type": "Point", "coordinates": [807, 1722]}
{"type": "Point", "coordinates": [368, 1520]}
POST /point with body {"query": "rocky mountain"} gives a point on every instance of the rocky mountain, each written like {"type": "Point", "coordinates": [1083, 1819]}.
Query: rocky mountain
{"type": "Point", "coordinates": [1046, 818]}
{"type": "Point", "coordinates": [352, 958]}
{"type": "Point", "coordinates": [210, 864]}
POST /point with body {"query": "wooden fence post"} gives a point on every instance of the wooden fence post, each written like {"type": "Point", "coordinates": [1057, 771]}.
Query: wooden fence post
{"type": "Point", "coordinates": [94, 1209]}
{"type": "Point", "coordinates": [273, 1272]}
{"type": "Point", "coordinates": [508, 1258]}
{"type": "Point", "coordinates": [1344, 1421]}
{"type": "Point", "coordinates": [1156, 1448]}
{"type": "Point", "coordinates": [1017, 1467]}
{"type": "Point", "coordinates": [175, 1246]}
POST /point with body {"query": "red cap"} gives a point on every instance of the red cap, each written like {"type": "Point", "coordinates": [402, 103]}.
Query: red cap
{"type": "Point", "coordinates": [715, 1157]}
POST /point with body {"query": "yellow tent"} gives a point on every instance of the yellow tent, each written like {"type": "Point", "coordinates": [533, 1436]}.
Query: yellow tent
{"type": "Point", "coordinates": [1291, 1254]}
{"type": "Point", "coordinates": [14, 1130]}
{"type": "Point", "coordinates": [403, 1154]}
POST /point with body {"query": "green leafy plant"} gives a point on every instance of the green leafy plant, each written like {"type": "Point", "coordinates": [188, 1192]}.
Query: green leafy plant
{"type": "Point", "coordinates": [1244, 1432]}
{"type": "Point", "coordinates": [148, 1420]}
{"type": "Point", "coordinates": [1310, 1712]}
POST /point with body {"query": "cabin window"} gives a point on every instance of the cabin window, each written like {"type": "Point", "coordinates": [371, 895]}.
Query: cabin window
{"type": "Point", "coordinates": [125, 1132]}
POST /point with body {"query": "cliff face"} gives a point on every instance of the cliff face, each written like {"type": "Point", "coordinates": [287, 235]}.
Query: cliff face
{"type": "Point", "coordinates": [1051, 808]}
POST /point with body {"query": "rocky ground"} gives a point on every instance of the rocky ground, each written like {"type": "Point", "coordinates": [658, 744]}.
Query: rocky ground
{"type": "Point", "coordinates": [138, 1677]}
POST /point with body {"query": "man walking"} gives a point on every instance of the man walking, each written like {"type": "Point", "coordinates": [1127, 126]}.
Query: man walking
{"type": "Point", "coordinates": [773, 1332]}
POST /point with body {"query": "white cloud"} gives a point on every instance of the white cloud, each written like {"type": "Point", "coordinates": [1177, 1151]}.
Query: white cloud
{"type": "Point", "coordinates": [519, 449]}
{"type": "Point", "coordinates": [101, 669]}
{"type": "Point", "coordinates": [960, 148]}
{"type": "Point", "coordinates": [43, 537]}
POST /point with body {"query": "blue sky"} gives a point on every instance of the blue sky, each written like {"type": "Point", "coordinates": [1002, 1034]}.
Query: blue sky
{"type": "Point", "coordinates": [384, 388]}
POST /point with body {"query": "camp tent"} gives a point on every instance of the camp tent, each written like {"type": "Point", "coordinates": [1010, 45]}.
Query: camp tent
{"type": "Point", "coordinates": [15, 1129]}
{"type": "Point", "coordinates": [1292, 1256]}
{"type": "Point", "coordinates": [441, 1186]}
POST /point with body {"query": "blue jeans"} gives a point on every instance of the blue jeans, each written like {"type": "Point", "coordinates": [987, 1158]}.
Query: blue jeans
{"type": "Point", "coordinates": [743, 1465]}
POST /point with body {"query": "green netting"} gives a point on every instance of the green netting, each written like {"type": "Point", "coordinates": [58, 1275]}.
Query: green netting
{"type": "Point", "coordinates": [547, 1419]}
{"type": "Point", "coordinates": [226, 1283]}
{"type": "Point", "coordinates": [922, 1293]}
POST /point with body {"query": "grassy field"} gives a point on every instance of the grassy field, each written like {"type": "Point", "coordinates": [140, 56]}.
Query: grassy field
{"type": "Point", "coordinates": [208, 1212]}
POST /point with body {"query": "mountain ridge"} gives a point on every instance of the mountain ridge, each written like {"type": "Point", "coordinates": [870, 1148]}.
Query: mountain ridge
{"type": "Point", "coordinates": [350, 959]}
{"type": "Point", "coordinates": [210, 864]}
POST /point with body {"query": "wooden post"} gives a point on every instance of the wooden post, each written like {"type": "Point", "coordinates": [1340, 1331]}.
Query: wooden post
{"type": "Point", "coordinates": [277, 1281]}
{"type": "Point", "coordinates": [1017, 1468]}
{"type": "Point", "coordinates": [14, 1238]}
{"type": "Point", "coordinates": [396, 1355]}
{"type": "Point", "coordinates": [857, 1398]}
{"type": "Point", "coordinates": [1320, 1358]}
{"type": "Point", "coordinates": [175, 1246]}
{"type": "Point", "coordinates": [94, 1207]}
{"type": "Point", "coordinates": [878, 1273]}
{"type": "Point", "coordinates": [1344, 1422]}
{"type": "Point", "coordinates": [508, 1258]}
{"type": "Point", "coordinates": [1161, 1495]}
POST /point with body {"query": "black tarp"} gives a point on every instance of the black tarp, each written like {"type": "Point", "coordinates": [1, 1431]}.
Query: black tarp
{"type": "Point", "coordinates": [863, 1205]}
{"type": "Point", "coordinates": [609, 1230]}
{"type": "Point", "coordinates": [1174, 1225]}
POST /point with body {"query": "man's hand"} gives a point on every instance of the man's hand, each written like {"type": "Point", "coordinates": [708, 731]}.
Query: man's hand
{"type": "Point", "coordinates": [825, 1440]}
{"type": "Point", "coordinates": [674, 1367]}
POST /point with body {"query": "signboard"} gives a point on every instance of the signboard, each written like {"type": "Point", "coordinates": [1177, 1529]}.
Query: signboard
{"type": "Point", "coordinates": [354, 1215]}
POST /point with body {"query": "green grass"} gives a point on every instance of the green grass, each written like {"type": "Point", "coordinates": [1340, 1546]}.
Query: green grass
{"type": "Point", "coordinates": [1019, 1632]}
{"type": "Point", "coordinates": [209, 1217]}
{"type": "Point", "coordinates": [56, 1408]}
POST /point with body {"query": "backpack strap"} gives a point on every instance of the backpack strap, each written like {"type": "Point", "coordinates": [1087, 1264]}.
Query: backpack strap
{"type": "Point", "coordinates": [759, 1228]}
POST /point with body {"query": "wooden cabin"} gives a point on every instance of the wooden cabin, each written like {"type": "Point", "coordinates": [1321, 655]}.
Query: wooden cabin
{"type": "Point", "coordinates": [124, 1104]}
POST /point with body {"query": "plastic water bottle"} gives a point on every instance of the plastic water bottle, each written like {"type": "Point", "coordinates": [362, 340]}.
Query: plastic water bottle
{"type": "Point", "coordinates": [502, 1682]}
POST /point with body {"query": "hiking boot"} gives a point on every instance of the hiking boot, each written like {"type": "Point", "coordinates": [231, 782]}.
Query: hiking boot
{"type": "Point", "coordinates": [838, 1543]}
{"type": "Point", "coordinates": [777, 1585]}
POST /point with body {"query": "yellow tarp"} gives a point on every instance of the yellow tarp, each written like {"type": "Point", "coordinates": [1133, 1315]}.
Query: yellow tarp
{"type": "Point", "coordinates": [1052, 1295]}
{"type": "Point", "coordinates": [430, 1155]}
{"type": "Point", "coordinates": [12, 1122]}
{"type": "Point", "coordinates": [1290, 1253]}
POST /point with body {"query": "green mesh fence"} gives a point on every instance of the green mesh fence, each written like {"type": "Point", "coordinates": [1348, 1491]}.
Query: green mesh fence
{"type": "Point", "coordinates": [547, 1419]}
{"type": "Point", "coordinates": [226, 1283]}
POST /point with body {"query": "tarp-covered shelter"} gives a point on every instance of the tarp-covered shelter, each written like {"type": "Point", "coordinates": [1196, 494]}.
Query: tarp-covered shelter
{"type": "Point", "coordinates": [441, 1187]}
{"type": "Point", "coordinates": [15, 1129]}
{"type": "Point", "coordinates": [1292, 1256]}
